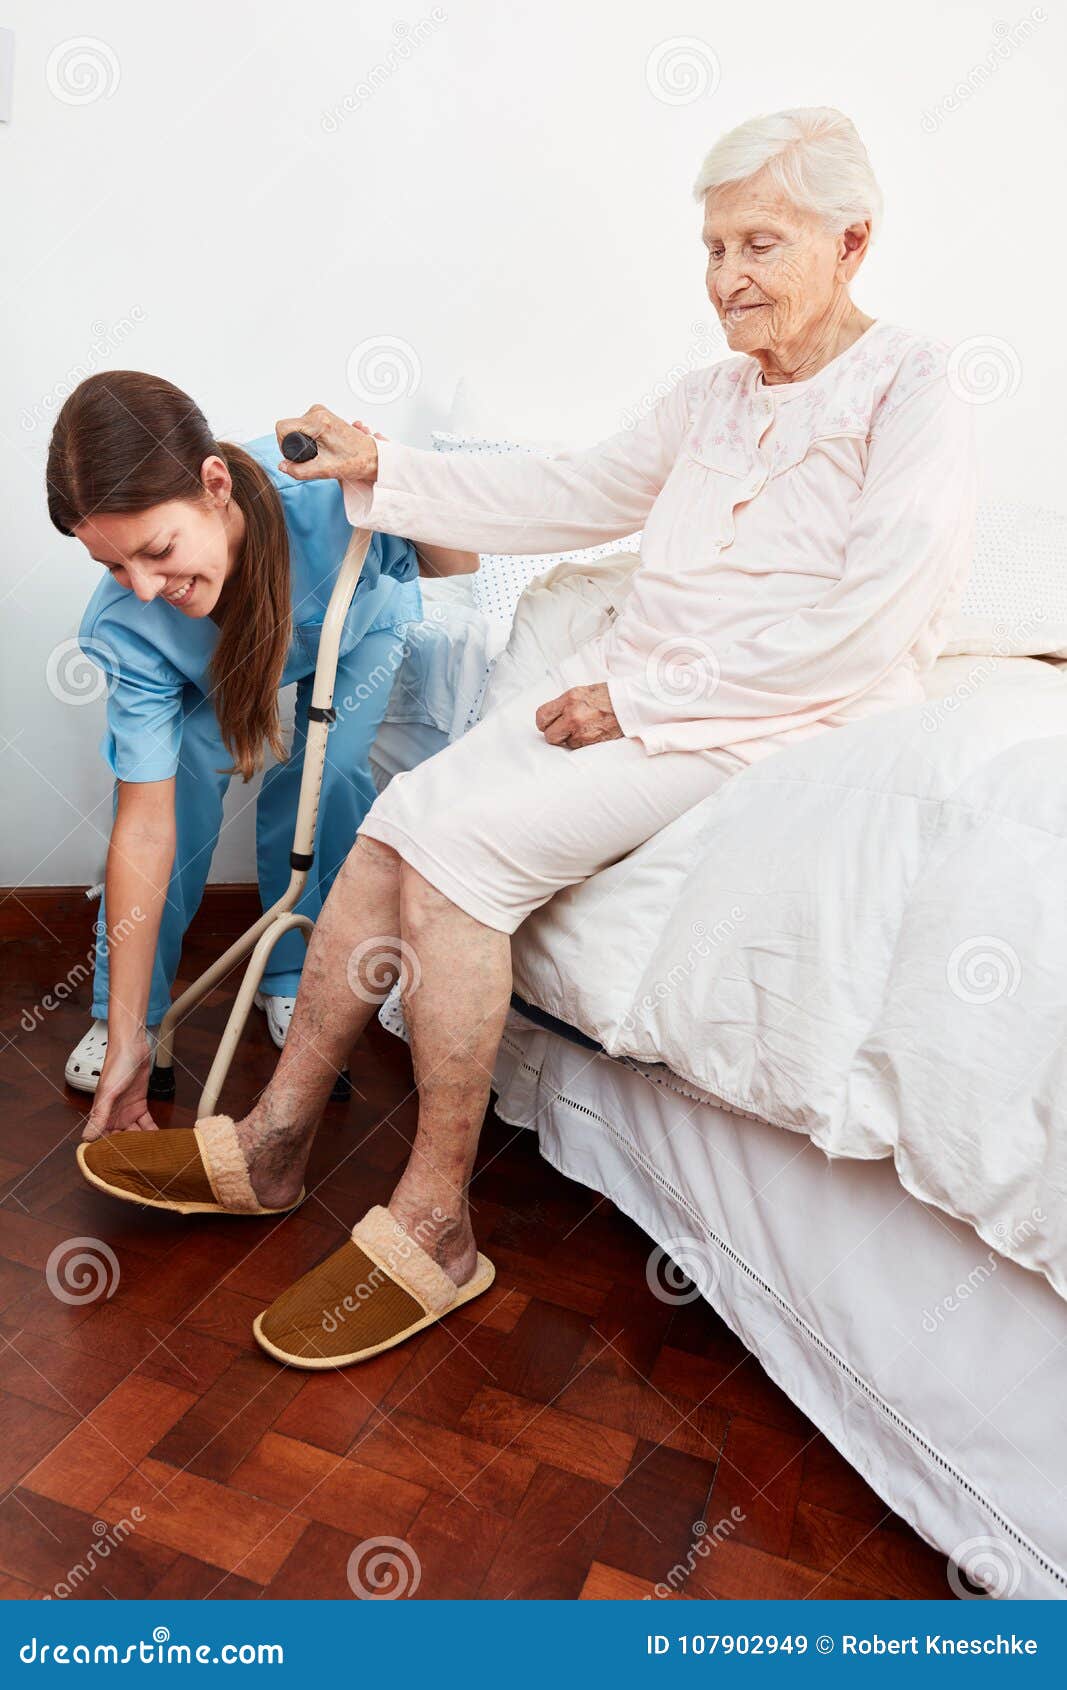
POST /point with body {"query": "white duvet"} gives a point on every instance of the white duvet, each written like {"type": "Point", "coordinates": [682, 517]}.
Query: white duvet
{"type": "Point", "coordinates": [862, 939]}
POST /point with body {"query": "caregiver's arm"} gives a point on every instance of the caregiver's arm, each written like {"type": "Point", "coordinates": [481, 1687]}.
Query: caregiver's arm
{"type": "Point", "coordinates": [139, 861]}
{"type": "Point", "coordinates": [907, 555]}
{"type": "Point", "coordinates": [443, 560]}
{"type": "Point", "coordinates": [501, 502]}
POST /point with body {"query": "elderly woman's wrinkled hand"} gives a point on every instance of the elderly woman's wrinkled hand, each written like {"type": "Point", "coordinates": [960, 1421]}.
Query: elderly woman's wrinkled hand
{"type": "Point", "coordinates": [580, 716]}
{"type": "Point", "coordinates": [346, 451]}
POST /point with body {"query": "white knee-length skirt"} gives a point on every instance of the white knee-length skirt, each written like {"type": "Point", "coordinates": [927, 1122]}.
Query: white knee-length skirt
{"type": "Point", "coordinates": [500, 820]}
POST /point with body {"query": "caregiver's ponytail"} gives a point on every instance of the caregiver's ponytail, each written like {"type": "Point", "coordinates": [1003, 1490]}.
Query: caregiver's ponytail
{"type": "Point", "coordinates": [256, 628]}
{"type": "Point", "coordinates": [125, 441]}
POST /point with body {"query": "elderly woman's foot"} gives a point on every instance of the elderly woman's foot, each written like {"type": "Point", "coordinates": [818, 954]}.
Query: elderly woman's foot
{"type": "Point", "coordinates": [215, 1168]}
{"type": "Point", "coordinates": [276, 1153]}
{"type": "Point", "coordinates": [402, 1269]}
{"type": "Point", "coordinates": [250, 1167]}
{"type": "Point", "coordinates": [439, 1222]}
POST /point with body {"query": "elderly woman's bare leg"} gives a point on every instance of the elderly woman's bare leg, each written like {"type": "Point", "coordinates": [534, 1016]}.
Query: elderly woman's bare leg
{"type": "Point", "coordinates": [456, 989]}
{"type": "Point", "coordinates": [352, 960]}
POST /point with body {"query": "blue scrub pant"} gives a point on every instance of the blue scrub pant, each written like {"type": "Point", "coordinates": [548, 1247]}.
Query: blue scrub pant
{"type": "Point", "coordinates": [200, 786]}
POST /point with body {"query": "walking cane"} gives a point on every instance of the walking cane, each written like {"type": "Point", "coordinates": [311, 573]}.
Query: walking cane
{"type": "Point", "coordinates": [264, 934]}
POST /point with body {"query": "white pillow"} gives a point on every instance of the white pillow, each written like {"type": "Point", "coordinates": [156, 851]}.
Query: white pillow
{"type": "Point", "coordinates": [556, 614]}
{"type": "Point", "coordinates": [1015, 602]}
{"type": "Point", "coordinates": [501, 580]}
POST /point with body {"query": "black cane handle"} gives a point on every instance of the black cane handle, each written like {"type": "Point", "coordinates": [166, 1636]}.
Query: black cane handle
{"type": "Point", "coordinates": [299, 448]}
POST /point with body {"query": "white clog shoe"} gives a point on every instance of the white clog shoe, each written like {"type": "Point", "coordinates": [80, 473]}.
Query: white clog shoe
{"type": "Point", "coordinates": [87, 1058]}
{"type": "Point", "coordinates": [279, 1013]}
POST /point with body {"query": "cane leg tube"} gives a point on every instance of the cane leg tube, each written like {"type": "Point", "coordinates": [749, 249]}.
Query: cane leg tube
{"type": "Point", "coordinates": [320, 718]}
{"type": "Point", "coordinates": [210, 978]}
{"type": "Point", "coordinates": [238, 1016]}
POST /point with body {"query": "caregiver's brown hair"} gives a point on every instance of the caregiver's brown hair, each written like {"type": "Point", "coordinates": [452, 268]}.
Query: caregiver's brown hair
{"type": "Point", "coordinates": [125, 441]}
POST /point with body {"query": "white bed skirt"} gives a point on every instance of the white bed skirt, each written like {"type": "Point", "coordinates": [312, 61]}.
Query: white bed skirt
{"type": "Point", "coordinates": [938, 1369]}
{"type": "Point", "coordinates": [935, 1366]}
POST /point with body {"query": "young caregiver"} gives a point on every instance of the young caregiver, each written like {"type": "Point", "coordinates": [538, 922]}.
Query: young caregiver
{"type": "Point", "coordinates": [218, 571]}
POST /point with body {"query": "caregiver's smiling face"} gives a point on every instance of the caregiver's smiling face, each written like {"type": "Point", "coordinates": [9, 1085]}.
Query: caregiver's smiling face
{"type": "Point", "coordinates": [775, 272]}
{"type": "Point", "coordinates": [179, 551]}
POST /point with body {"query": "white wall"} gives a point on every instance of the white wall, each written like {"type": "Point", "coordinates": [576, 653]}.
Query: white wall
{"type": "Point", "coordinates": [512, 201]}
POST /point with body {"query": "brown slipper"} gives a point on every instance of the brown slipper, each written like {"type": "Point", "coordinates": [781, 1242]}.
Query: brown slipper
{"type": "Point", "coordinates": [376, 1290]}
{"type": "Point", "coordinates": [197, 1170]}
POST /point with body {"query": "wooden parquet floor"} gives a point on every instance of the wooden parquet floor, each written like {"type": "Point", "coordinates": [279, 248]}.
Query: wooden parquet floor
{"type": "Point", "coordinates": [569, 1436]}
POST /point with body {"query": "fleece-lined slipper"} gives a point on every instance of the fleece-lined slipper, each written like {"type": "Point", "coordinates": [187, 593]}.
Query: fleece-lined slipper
{"type": "Point", "coordinates": [197, 1170]}
{"type": "Point", "coordinates": [376, 1290]}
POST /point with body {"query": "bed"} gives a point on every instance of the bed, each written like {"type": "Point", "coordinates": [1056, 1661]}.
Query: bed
{"type": "Point", "coordinates": [822, 1067]}
{"type": "Point", "coordinates": [938, 1369]}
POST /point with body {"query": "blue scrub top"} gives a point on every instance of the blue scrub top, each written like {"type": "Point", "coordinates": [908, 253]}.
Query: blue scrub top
{"type": "Point", "coordinates": [150, 652]}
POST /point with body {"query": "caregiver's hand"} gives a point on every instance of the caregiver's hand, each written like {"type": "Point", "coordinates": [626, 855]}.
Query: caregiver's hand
{"type": "Point", "coordinates": [580, 716]}
{"type": "Point", "coordinates": [346, 453]}
{"type": "Point", "coordinates": [120, 1104]}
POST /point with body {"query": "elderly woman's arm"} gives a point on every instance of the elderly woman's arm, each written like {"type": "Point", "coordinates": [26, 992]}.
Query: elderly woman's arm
{"type": "Point", "coordinates": [434, 561]}
{"type": "Point", "coordinates": [505, 502]}
{"type": "Point", "coordinates": [908, 552]}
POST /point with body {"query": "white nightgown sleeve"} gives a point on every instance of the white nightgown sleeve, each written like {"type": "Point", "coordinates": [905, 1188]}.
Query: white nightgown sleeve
{"type": "Point", "coordinates": [521, 502]}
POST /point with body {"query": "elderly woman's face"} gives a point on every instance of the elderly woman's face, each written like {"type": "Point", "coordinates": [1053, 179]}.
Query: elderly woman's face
{"type": "Point", "coordinates": [774, 270]}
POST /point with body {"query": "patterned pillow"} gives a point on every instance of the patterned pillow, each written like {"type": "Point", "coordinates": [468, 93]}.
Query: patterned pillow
{"type": "Point", "coordinates": [1015, 601]}
{"type": "Point", "coordinates": [501, 580]}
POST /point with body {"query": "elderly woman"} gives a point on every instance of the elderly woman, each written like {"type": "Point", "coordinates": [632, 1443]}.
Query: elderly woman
{"type": "Point", "coordinates": [807, 507]}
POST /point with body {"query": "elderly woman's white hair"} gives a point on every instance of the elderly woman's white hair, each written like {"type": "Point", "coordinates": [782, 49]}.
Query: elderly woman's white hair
{"type": "Point", "coordinates": [812, 153]}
